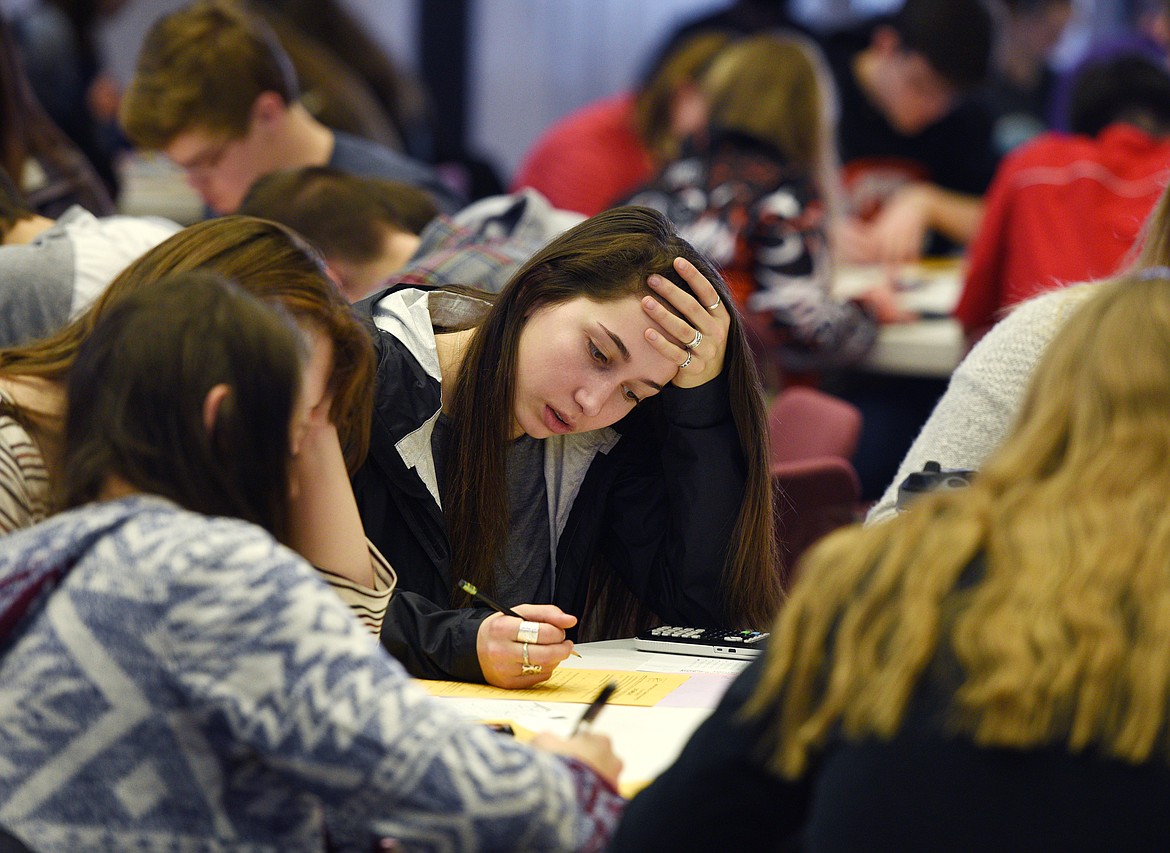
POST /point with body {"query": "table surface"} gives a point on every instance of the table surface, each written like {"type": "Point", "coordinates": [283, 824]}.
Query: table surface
{"type": "Point", "coordinates": [647, 739]}
{"type": "Point", "coordinates": [929, 347]}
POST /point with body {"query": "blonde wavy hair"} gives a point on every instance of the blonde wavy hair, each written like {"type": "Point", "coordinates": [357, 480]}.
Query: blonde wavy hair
{"type": "Point", "coordinates": [1061, 630]}
{"type": "Point", "coordinates": [776, 87]}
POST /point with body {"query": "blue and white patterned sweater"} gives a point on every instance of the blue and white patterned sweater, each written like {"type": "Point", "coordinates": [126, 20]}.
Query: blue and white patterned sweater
{"type": "Point", "coordinates": [192, 685]}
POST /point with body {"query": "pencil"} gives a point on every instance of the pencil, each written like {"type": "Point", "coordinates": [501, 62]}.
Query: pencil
{"type": "Point", "coordinates": [595, 706]}
{"type": "Point", "coordinates": [472, 590]}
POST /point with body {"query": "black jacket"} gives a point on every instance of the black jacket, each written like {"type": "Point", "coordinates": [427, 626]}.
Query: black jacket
{"type": "Point", "coordinates": [660, 505]}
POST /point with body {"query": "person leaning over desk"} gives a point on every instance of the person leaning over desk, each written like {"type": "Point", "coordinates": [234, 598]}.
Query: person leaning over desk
{"type": "Point", "coordinates": [176, 678]}
{"type": "Point", "coordinates": [591, 443]}
{"type": "Point", "coordinates": [988, 670]}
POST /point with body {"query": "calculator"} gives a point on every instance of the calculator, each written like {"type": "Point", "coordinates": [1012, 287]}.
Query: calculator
{"type": "Point", "coordinates": [705, 642]}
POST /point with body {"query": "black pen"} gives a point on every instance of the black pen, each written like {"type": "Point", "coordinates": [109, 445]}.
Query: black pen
{"type": "Point", "coordinates": [472, 590]}
{"type": "Point", "coordinates": [595, 706]}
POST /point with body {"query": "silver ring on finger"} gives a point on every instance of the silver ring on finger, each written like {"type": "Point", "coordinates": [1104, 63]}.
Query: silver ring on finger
{"type": "Point", "coordinates": [528, 632]}
{"type": "Point", "coordinates": [687, 362]}
{"type": "Point", "coordinates": [718, 302]}
{"type": "Point", "coordinates": [698, 340]}
{"type": "Point", "coordinates": [528, 668]}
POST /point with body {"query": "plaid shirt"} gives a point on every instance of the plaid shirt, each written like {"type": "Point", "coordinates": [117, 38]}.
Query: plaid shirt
{"type": "Point", "coordinates": [451, 254]}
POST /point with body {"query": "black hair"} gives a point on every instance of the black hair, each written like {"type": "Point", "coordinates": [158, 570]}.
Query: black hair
{"type": "Point", "coordinates": [953, 35]}
{"type": "Point", "coordinates": [136, 397]}
{"type": "Point", "coordinates": [1127, 88]}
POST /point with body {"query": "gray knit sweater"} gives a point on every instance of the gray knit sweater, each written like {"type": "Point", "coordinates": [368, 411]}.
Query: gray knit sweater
{"type": "Point", "coordinates": [985, 391]}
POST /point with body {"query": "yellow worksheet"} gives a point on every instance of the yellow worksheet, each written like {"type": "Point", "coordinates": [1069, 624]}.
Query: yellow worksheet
{"type": "Point", "coordinates": [573, 685]}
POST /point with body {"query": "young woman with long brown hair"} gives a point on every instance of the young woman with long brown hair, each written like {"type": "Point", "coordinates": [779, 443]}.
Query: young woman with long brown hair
{"type": "Point", "coordinates": [589, 444]}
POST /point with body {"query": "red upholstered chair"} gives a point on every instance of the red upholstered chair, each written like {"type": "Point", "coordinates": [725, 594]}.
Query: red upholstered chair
{"type": "Point", "coordinates": [811, 498]}
{"type": "Point", "coordinates": [813, 436]}
{"type": "Point", "coordinates": [805, 423]}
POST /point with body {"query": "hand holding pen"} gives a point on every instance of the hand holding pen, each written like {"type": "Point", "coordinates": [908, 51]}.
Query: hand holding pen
{"type": "Point", "coordinates": [512, 655]}
{"type": "Point", "coordinates": [584, 744]}
{"type": "Point", "coordinates": [595, 707]}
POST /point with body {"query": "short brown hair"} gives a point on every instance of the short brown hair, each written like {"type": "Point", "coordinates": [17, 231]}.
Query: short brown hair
{"type": "Point", "coordinates": [203, 67]}
{"type": "Point", "coordinates": [345, 216]}
{"type": "Point", "coordinates": [954, 36]}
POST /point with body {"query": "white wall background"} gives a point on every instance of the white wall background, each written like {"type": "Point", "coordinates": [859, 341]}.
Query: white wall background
{"type": "Point", "coordinates": [532, 61]}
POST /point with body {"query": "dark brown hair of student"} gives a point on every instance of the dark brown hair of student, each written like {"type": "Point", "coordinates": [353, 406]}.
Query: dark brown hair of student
{"type": "Point", "coordinates": [27, 132]}
{"type": "Point", "coordinates": [1057, 637]}
{"type": "Point", "coordinates": [343, 215]}
{"type": "Point", "coordinates": [953, 36]}
{"type": "Point", "coordinates": [136, 397]}
{"type": "Point", "coordinates": [606, 257]}
{"type": "Point", "coordinates": [1130, 89]}
{"type": "Point", "coordinates": [653, 104]}
{"type": "Point", "coordinates": [267, 260]}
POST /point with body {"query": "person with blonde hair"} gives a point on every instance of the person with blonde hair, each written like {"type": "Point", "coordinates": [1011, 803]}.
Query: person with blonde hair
{"type": "Point", "coordinates": [756, 189]}
{"type": "Point", "coordinates": [592, 157]}
{"type": "Point", "coordinates": [988, 671]}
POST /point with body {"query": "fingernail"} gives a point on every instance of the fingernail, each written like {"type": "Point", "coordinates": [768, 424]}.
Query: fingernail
{"type": "Point", "coordinates": [650, 303]}
{"type": "Point", "coordinates": [655, 281]}
{"type": "Point", "coordinates": [651, 334]}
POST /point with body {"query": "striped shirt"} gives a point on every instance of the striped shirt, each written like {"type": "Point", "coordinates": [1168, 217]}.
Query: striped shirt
{"type": "Point", "coordinates": [24, 478]}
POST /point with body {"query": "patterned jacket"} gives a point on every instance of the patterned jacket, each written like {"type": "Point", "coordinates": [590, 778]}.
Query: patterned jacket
{"type": "Point", "coordinates": [193, 685]}
{"type": "Point", "coordinates": [762, 221]}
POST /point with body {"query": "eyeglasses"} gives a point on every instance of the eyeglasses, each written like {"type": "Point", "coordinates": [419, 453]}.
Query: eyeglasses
{"type": "Point", "coordinates": [205, 161]}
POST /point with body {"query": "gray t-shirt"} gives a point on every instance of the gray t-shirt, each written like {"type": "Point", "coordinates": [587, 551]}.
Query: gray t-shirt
{"type": "Point", "coordinates": [526, 573]}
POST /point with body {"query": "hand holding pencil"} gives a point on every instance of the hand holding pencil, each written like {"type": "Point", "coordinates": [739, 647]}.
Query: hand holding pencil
{"type": "Point", "coordinates": [521, 646]}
